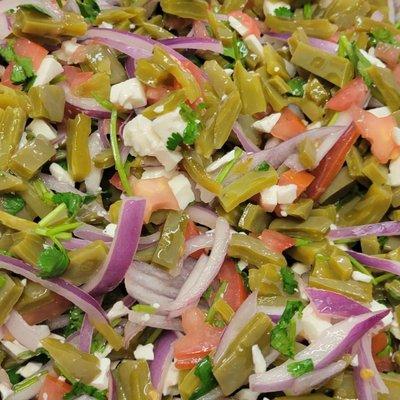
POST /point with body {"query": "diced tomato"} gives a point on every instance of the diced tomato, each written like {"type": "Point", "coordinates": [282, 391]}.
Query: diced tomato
{"type": "Point", "coordinates": [353, 93]}
{"type": "Point", "coordinates": [157, 193]}
{"type": "Point", "coordinates": [236, 292]}
{"type": "Point", "coordinates": [379, 342]}
{"type": "Point", "coordinates": [155, 94]}
{"type": "Point", "coordinates": [288, 125]}
{"type": "Point", "coordinates": [200, 339]}
{"type": "Point", "coordinates": [378, 131]}
{"type": "Point", "coordinates": [200, 29]}
{"type": "Point", "coordinates": [335, 37]}
{"type": "Point", "coordinates": [331, 164]}
{"type": "Point", "coordinates": [53, 308]}
{"type": "Point", "coordinates": [250, 23]}
{"type": "Point", "coordinates": [276, 241]}
{"type": "Point", "coordinates": [116, 182]}
{"type": "Point", "coordinates": [193, 231]}
{"type": "Point", "coordinates": [384, 364]}
{"type": "Point", "coordinates": [6, 78]}
{"type": "Point", "coordinates": [75, 76]}
{"type": "Point", "coordinates": [301, 179]}
{"type": "Point", "coordinates": [388, 53]}
{"type": "Point", "coordinates": [25, 48]}
{"type": "Point", "coordinates": [194, 70]}
{"type": "Point", "coordinates": [53, 388]}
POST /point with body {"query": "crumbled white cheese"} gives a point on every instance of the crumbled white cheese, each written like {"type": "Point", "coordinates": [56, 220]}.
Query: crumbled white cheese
{"type": "Point", "coordinates": [144, 352]}
{"type": "Point", "coordinates": [242, 265]}
{"type": "Point", "coordinates": [68, 48]}
{"type": "Point", "coordinates": [228, 71]}
{"type": "Point", "coordinates": [267, 123]}
{"type": "Point", "coordinates": [260, 365]}
{"type": "Point", "coordinates": [269, 198]}
{"type": "Point", "coordinates": [376, 306]}
{"type": "Point", "coordinates": [290, 68]}
{"type": "Point", "coordinates": [110, 230]}
{"type": "Point", "coordinates": [311, 326]}
{"type": "Point", "coordinates": [271, 6]}
{"type": "Point", "coordinates": [300, 268]}
{"type": "Point", "coordinates": [156, 306]}
{"type": "Point", "coordinates": [396, 135]}
{"type": "Point", "coordinates": [58, 172]}
{"type": "Point", "coordinates": [246, 394]}
{"type": "Point", "coordinates": [118, 310]}
{"type": "Point", "coordinates": [182, 189]}
{"type": "Point", "coordinates": [106, 25]}
{"type": "Point", "coordinates": [165, 125]}
{"type": "Point", "coordinates": [360, 277]}
{"type": "Point", "coordinates": [29, 369]}
{"type": "Point", "coordinates": [354, 361]}
{"type": "Point", "coordinates": [159, 109]}
{"type": "Point", "coordinates": [372, 59]}
{"type": "Point", "coordinates": [171, 380]}
{"type": "Point", "coordinates": [394, 172]}
{"type": "Point", "coordinates": [48, 70]}
{"type": "Point", "coordinates": [287, 194]}
{"type": "Point", "coordinates": [129, 94]}
{"type": "Point", "coordinates": [101, 380]}
{"type": "Point", "coordinates": [39, 127]}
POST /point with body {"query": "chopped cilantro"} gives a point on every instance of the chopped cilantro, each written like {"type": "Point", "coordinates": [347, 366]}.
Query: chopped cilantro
{"type": "Point", "coordinates": [296, 86]}
{"type": "Point", "coordinates": [3, 281]}
{"type": "Point", "coordinates": [73, 201]}
{"type": "Point", "coordinates": [300, 368]}
{"type": "Point", "coordinates": [75, 321]}
{"type": "Point", "coordinates": [98, 344]}
{"type": "Point", "coordinates": [237, 51]}
{"type": "Point", "coordinates": [89, 9]}
{"type": "Point", "coordinates": [283, 335]}
{"type": "Point", "coordinates": [300, 242]}
{"type": "Point", "coordinates": [284, 12]}
{"type": "Point", "coordinates": [80, 389]}
{"type": "Point", "coordinates": [382, 241]}
{"type": "Point", "coordinates": [264, 166]}
{"type": "Point", "coordinates": [289, 281]}
{"type": "Point", "coordinates": [208, 382]}
{"type": "Point", "coordinates": [12, 203]}
{"type": "Point", "coordinates": [307, 11]}
{"type": "Point", "coordinates": [52, 262]}
{"type": "Point", "coordinates": [381, 35]}
{"type": "Point", "coordinates": [174, 141]}
{"type": "Point", "coordinates": [13, 375]}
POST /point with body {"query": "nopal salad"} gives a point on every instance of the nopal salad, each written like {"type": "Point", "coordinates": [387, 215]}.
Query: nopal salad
{"type": "Point", "coordinates": [199, 199]}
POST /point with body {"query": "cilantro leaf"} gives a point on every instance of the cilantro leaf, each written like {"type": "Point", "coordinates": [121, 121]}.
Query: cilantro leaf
{"type": "Point", "coordinates": [283, 335]}
{"type": "Point", "coordinates": [7, 53]}
{"type": "Point", "coordinates": [300, 368]}
{"type": "Point", "coordinates": [307, 11]}
{"type": "Point", "coordinates": [71, 200]}
{"type": "Point", "coordinates": [284, 12]}
{"type": "Point", "coordinates": [207, 380]}
{"type": "Point", "coordinates": [13, 375]}
{"type": "Point", "coordinates": [300, 242]}
{"type": "Point", "coordinates": [89, 9]}
{"type": "Point", "coordinates": [381, 35]}
{"type": "Point", "coordinates": [80, 389]}
{"type": "Point", "coordinates": [289, 282]}
{"type": "Point", "coordinates": [75, 321]}
{"type": "Point", "coordinates": [238, 51]}
{"type": "Point", "coordinates": [12, 203]}
{"type": "Point", "coordinates": [264, 166]}
{"type": "Point", "coordinates": [296, 86]}
{"type": "Point", "coordinates": [98, 344]}
{"type": "Point", "coordinates": [174, 141]}
{"type": "Point", "coordinates": [52, 262]}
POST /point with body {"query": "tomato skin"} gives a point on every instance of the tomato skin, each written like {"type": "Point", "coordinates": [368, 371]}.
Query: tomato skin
{"type": "Point", "coordinates": [384, 364]}
{"type": "Point", "coordinates": [236, 292]}
{"type": "Point", "coordinates": [6, 78]}
{"type": "Point", "coordinates": [25, 48]}
{"type": "Point", "coordinates": [275, 241]}
{"type": "Point", "coordinates": [75, 76]}
{"type": "Point", "coordinates": [301, 179]}
{"type": "Point", "coordinates": [191, 232]}
{"type": "Point", "coordinates": [199, 340]}
{"type": "Point", "coordinates": [379, 342]}
{"type": "Point", "coordinates": [155, 94]}
{"type": "Point", "coordinates": [331, 164]}
{"type": "Point", "coordinates": [248, 22]}
{"type": "Point", "coordinates": [288, 126]}
{"type": "Point", "coordinates": [353, 93]}
{"type": "Point", "coordinates": [388, 53]}
{"type": "Point", "coordinates": [53, 389]}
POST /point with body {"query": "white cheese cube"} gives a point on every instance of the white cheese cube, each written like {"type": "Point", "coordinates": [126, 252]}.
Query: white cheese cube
{"type": "Point", "coordinates": [182, 189]}
{"type": "Point", "coordinates": [360, 277]}
{"type": "Point", "coordinates": [235, 24]}
{"type": "Point", "coordinates": [118, 310]}
{"type": "Point", "coordinates": [165, 125]}
{"type": "Point", "coordinates": [48, 70]}
{"type": "Point", "coordinates": [267, 123]}
{"type": "Point", "coordinates": [58, 172]}
{"type": "Point", "coordinates": [68, 48]}
{"type": "Point", "coordinates": [101, 380]}
{"type": "Point", "coordinates": [260, 365]}
{"type": "Point", "coordinates": [300, 268]}
{"type": "Point", "coordinates": [39, 127]}
{"type": "Point", "coordinates": [106, 25]}
{"type": "Point", "coordinates": [169, 159]}
{"type": "Point", "coordinates": [380, 112]}
{"type": "Point", "coordinates": [394, 172]}
{"type": "Point", "coordinates": [228, 71]}
{"type": "Point", "coordinates": [287, 194]}
{"type": "Point", "coordinates": [144, 352]}
{"type": "Point", "coordinates": [29, 369]}
{"type": "Point", "coordinates": [311, 326]}
{"type": "Point", "coordinates": [254, 45]}
{"type": "Point", "coordinates": [129, 94]}
{"type": "Point", "coordinates": [269, 198]}
{"type": "Point", "coordinates": [110, 230]}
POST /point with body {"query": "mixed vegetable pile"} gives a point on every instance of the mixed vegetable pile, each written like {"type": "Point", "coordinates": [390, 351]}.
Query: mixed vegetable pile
{"type": "Point", "coordinates": [199, 199]}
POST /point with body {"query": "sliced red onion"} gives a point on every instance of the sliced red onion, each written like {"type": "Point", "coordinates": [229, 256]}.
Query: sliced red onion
{"type": "Point", "coordinates": [194, 43]}
{"type": "Point", "coordinates": [278, 154]}
{"type": "Point", "coordinates": [246, 143]}
{"type": "Point", "coordinates": [274, 313]}
{"type": "Point", "coordinates": [46, 6]}
{"type": "Point", "coordinates": [112, 387]}
{"type": "Point", "coordinates": [335, 342]}
{"type": "Point", "coordinates": [366, 360]}
{"type": "Point", "coordinates": [58, 323]}
{"type": "Point", "coordinates": [28, 335]}
{"type": "Point", "coordinates": [104, 130]}
{"type": "Point", "coordinates": [130, 331]}
{"type": "Point", "coordinates": [130, 67]}
{"type": "Point", "coordinates": [58, 186]}
{"type": "Point", "coordinates": [74, 243]}
{"type": "Point", "coordinates": [84, 105]}
{"type": "Point", "coordinates": [143, 294]}
{"type": "Point", "coordinates": [85, 335]}
{"type": "Point", "coordinates": [242, 316]}
{"type": "Point", "coordinates": [380, 264]}
{"type": "Point", "coordinates": [202, 215]}
{"type": "Point", "coordinates": [70, 292]}
{"type": "Point", "coordinates": [128, 301]}
{"type": "Point", "coordinates": [304, 383]}
{"type": "Point", "coordinates": [155, 321]}
{"type": "Point", "coordinates": [30, 392]}
{"type": "Point", "coordinates": [387, 228]}
{"type": "Point", "coordinates": [4, 26]}
{"type": "Point", "coordinates": [163, 355]}
{"type": "Point", "coordinates": [123, 247]}
{"type": "Point", "coordinates": [199, 242]}
{"type": "Point", "coordinates": [150, 239]}
{"type": "Point", "coordinates": [333, 304]}
{"type": "Point", "coordinates": [89, 232]}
